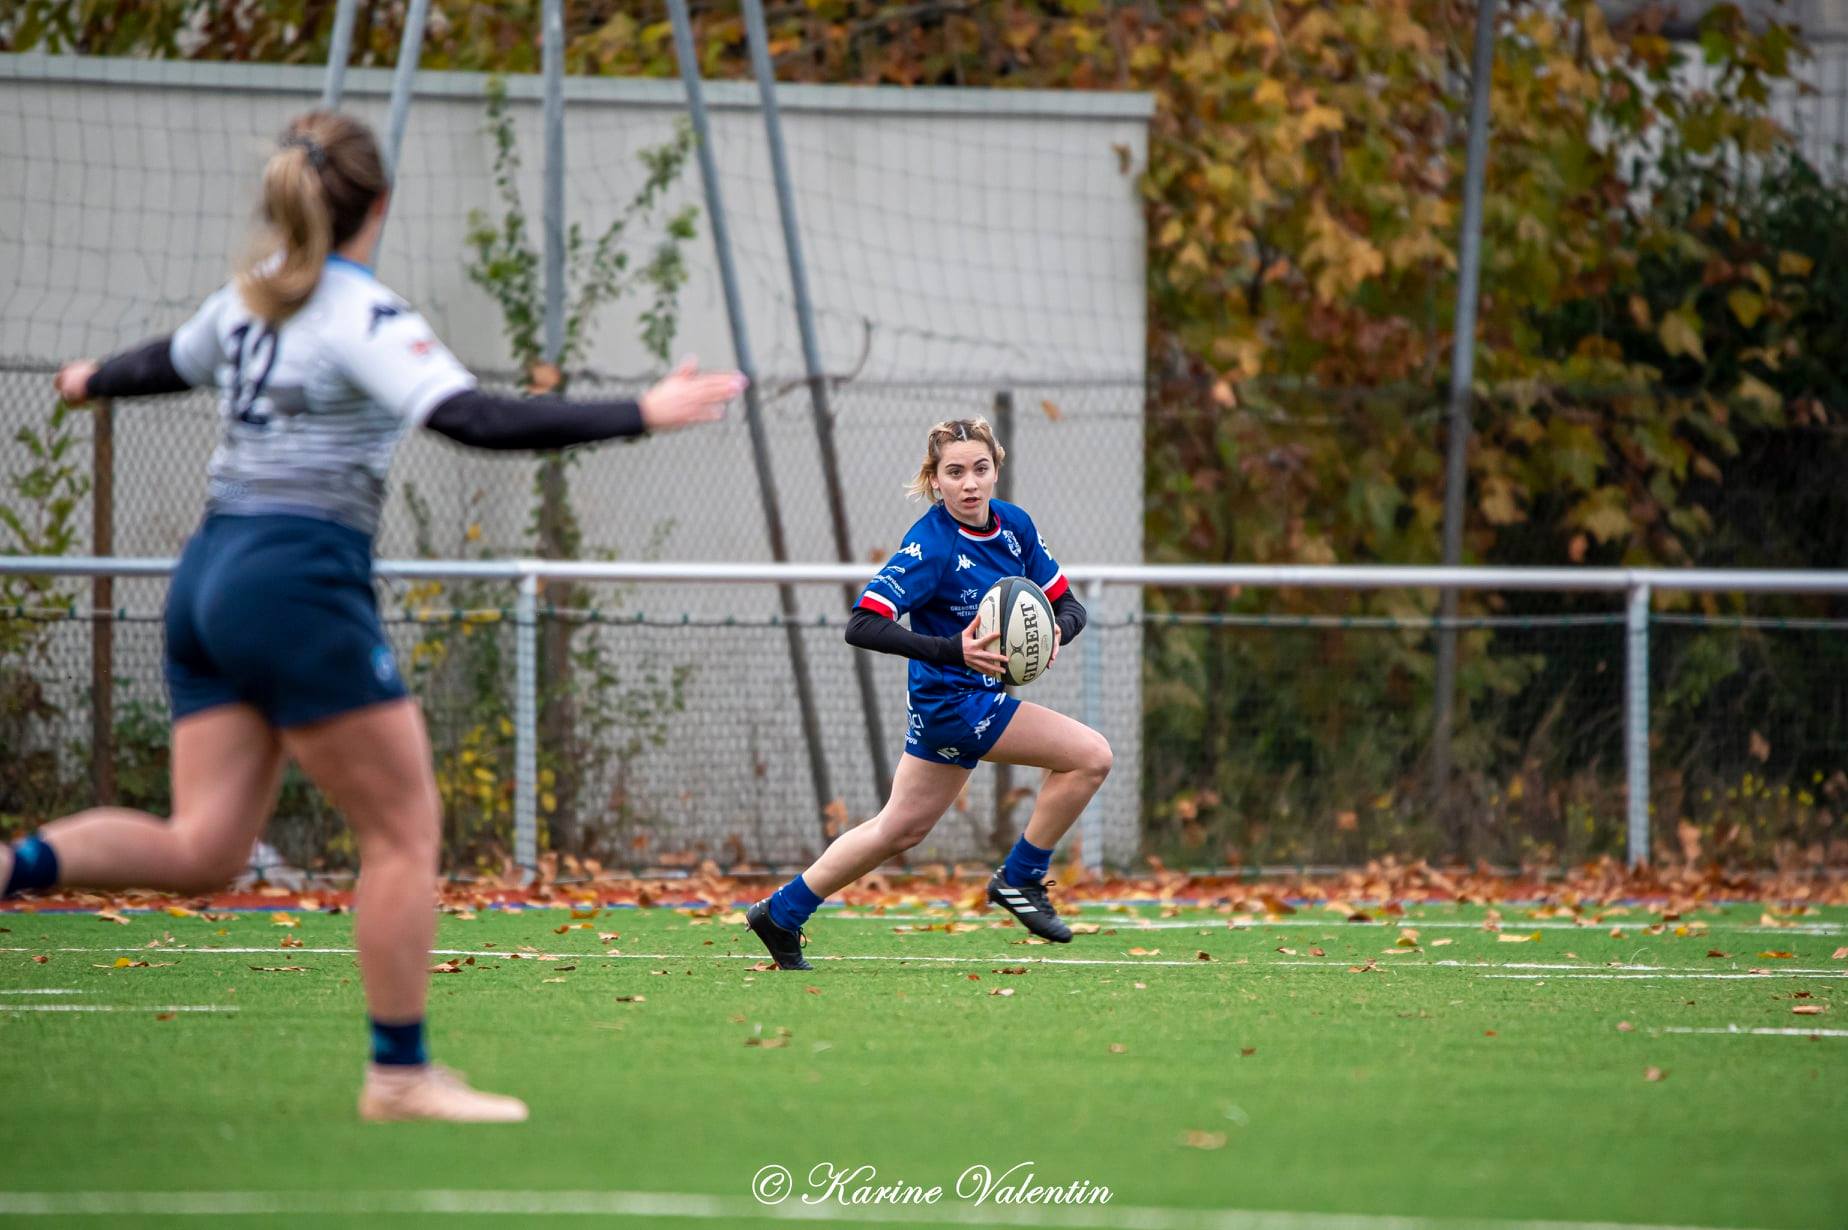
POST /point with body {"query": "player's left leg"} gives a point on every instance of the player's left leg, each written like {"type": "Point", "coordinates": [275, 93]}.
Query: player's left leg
{"type": "Point", "coordinates": [227, 766]}
{"type": "Point", "coordinates": [921, 792]}
{"type": "Point", "coordinates": [1077, 760]}
{"type": "Point", "coordinates": [374, 764]}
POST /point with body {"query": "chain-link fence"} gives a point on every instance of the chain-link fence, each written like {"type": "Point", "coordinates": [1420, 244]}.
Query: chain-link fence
{"type": "Point", "coordinates": [1253, 737]}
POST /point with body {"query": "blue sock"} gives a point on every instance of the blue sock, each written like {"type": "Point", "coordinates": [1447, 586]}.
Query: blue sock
{"type": "Point", "coordinates": [791, 905]}
{"type": "Point", "coordinates": [1026, 864]}
{"type": "Point", "coordinates": [398, 1045]}
{"type": "Point", "coordinates": [35, 865]}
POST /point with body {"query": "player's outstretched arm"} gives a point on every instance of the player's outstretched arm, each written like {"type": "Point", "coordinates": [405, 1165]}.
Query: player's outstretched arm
{"type": "Point", "coordinates": [484, 420]}
{"type": "Point", "coordinates": [145, 371]}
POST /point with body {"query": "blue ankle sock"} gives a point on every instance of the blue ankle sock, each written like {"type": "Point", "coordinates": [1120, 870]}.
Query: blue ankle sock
{"type": "Point", "coordinates": [398, 1045]}
{"type": "Point", "coordinates": [35, 865]}
{"type": "Point", "coordinates": [1026, 864]}
{"type": "Point", "coordinates": [792, 904]}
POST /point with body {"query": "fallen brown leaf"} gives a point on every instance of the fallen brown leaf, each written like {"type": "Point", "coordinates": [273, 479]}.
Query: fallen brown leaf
{"type": "Point", "coordinates": [281, 919]}
{"type": "Point", "coordinates": [1779, 955]}
{"type": "Point", "coordinates": [164, 1016]}
{"type": "Point", "coordinates": [1716, 954]}
{"type": "Point", "coordinates": [1624, 1027]}
{"type": "Point", "coordinates": [1203, 955]}
{"type": "Point", "coordinates": [1004, 992]}
{"type": "Point", "coordinates": [1810, 1009]}
{"type": "Point", "coordinates": [1145, 952]}
{"type": "Point", "coordinates": [1840, 954]}
{"type": "Point", "coordinates": [1247, 1051]}
{"type": "Point", "coordinates": [642, 999]}
{"type": "Point", "coordinates": [1203, 1140]}
{"type": "Point", "coordinates": [1508, 938]}
{"type": "Point", "coordinates": [112, 916]}
{"type": "Point", "coordinates": [1653, 1074]}
{"type": "Point", "coordinates": [447, 967]}
{"type": "Point", "coordinates": [1117, 1048]}
{"type": "Point", "coordinates": [1441, 943]}
{"type": "Point", "coordinates": [290, 941]}
{"type": "Point", "coordinates": [1317, 952]}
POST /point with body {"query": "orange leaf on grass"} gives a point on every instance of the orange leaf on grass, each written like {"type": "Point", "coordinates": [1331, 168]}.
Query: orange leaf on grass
{"type": "Point", "coordinates": [1203, 1140]}
{"type": "Point", "coordinates": [1840, 954]}
{"type": "Point", "coordinates": [1145, 952]}
{"type": "Point", "coordinates": [1810, 1009]}
{"type": "Point", "coordinates": [1779, 955]}
{"type": "Point", "coordinates": [1653, 1074]}
{"type": "Point", "coordinates": [112, 916]}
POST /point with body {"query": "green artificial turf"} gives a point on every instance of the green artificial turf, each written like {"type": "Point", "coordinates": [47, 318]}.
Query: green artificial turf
{"type": "Point", "coordinates": [1253, 1080]}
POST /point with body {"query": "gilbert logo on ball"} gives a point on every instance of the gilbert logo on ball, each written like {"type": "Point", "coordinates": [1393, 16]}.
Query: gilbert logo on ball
{"type": "Point", "coordinates": [1017, 609]}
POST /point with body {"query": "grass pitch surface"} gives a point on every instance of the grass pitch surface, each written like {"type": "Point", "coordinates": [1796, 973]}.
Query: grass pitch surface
{"type": "Point", "coordinates": [1197, 1066]}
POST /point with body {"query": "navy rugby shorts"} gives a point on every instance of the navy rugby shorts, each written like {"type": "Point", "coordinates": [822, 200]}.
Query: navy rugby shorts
{"type": "Point", "coordinates": [958, 728]}
{"type": "Point", "coordinates": [277, 612]}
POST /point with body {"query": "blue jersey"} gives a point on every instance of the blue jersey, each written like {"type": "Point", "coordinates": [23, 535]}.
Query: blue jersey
{"type": "Point", "coordinates": [939, 576]}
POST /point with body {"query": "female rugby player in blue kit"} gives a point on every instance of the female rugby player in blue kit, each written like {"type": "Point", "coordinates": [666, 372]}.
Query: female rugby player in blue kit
{"type": "Point", "coordinates": [959, 714]}
{"type": "Point", "coordinates": [274, 648]}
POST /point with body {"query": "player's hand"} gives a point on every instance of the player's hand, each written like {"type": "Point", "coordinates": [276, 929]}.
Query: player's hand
{"type": "Point", "coordinates": [977, 655]}
{"type": "Point", "coordinates": [688, 396]}
{"type": "Point", "coordinates": [73, 381]}
{"type": "Point", "coordinates": [1058, 639]}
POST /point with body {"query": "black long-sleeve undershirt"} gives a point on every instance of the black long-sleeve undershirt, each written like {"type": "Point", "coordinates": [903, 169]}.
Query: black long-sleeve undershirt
{"type": "Point", "coordinates": [871, 630]}
{"type": "Point", "coordinates": [484, 420]}
{"type": "Point", "coordinates": [145, 371]}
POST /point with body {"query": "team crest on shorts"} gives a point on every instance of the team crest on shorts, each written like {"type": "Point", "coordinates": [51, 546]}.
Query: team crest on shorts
{"type": "Point", "coordinates": [384, 666]}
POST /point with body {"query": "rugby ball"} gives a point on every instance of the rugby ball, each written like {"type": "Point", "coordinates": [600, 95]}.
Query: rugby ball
{"type": "Point", "coordinates": [1017, 609]}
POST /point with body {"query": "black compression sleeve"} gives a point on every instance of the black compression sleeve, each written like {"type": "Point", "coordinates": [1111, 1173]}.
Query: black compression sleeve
{"type": "Point", "coordinates": [871, 630]}
{"type": "Point", "coordinates": [146, 370]}
{"type": "Point", "coordinates": [483, 420]}
{"type": "Point", "coordinates": [1070, 614]}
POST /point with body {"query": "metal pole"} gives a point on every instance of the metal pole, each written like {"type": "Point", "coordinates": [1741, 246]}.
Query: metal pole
{"type": "Point", "coordinates": [1002, 834]}
{"type": "Point", "coordinates": [1091, 823]}
{"type": "Point", "coordinates": [554, 66]}
{"type": "Point", "coordinates": [753, 407]}
{"type": "Point", "coordinates": [526, 724]}
{"type": "Point", "coordinates": [102, 604]}
{"type": "Point", "coordinates": [339, 51]}
{"type": "Point", "coordinates": [759, 40]}
{"type": "Point", "coordinates": [1462, 375]}
{"type": "Point", "coordinates": [410, 48]}
{"type": "Point", "coordinates": [1636, 723]}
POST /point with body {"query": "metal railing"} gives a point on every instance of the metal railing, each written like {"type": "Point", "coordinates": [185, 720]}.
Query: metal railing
{"type": "Point", "coordinates": [526, 575]}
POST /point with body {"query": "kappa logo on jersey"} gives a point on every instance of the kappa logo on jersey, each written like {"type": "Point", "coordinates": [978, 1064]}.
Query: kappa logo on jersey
{"type": "Point", "coordinates": [963, 561]}
{"type": "Point", "coordinates": [913, 550]}
{"type": "Point", "coordinates": [1013, 543]}
{"type": "Point", "coordinates": [981, 727]}
{"type": "Point", "coordinates": [382, 312]}
{"type": "Point", "coordinates": [950, 753]}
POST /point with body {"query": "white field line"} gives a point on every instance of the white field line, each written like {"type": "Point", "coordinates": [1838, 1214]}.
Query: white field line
{"type": "Point", "coordinates": [114, 1008]}
{"type": "Point", "coordinates": [1335, 923]}
{"type": "Point", "coordinates": [1334, 964]}
{"type": "Point", "coordinates": [623, 1204]}
{"type": "Point", "coordinates": [1763, 1033]}
{"type": "Point", "coordinates": [1708, 975]}
{"type": "Point", "coordinates": [44, 991]}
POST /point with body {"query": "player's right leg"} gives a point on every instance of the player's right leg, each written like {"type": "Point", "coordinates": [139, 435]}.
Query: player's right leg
{"type": "Point", "coordinates": [227, 766]}
{"type": "Point", "coordinates": [921, 792]}
{"type": "Point", "coordinates": [374, 764]}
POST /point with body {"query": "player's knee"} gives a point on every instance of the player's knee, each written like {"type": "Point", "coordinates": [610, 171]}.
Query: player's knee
{"type": "Point", "coordinates": [1098, 758]}
{"type": "Point", "coordinates": [211, 865]}
{"type": "Point", "coordinates": [902, 834]}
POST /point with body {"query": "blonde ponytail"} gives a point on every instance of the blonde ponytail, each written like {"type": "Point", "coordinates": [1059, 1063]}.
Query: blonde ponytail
{"type": "Point", "coordinates": [948, 432]}
{"type": "Point", "coordinates": [317, 189]}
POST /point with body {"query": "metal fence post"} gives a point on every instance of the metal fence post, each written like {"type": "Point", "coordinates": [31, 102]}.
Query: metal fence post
{"type": "Point", "coordinates": [1636, 722]}
{"type": "Point", "coordinates": [339, 51]}
{"type": "Point", "coordinates": [753, 405]}
{"type": "Point", "coordinates": [759, 40]}
{"type": "Point", "coordinates": [526, 724]}
{"type": "Point", "coordinates": [554, 66]}
{"type": "Point", "coordinates": [1091, 709]}
{"type": "Point", "coordinates": [410, 49]}
{"type": "Point", "coordinates": [102, 606]}
{"type": "Point", "coordinates": [1462, 376]}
